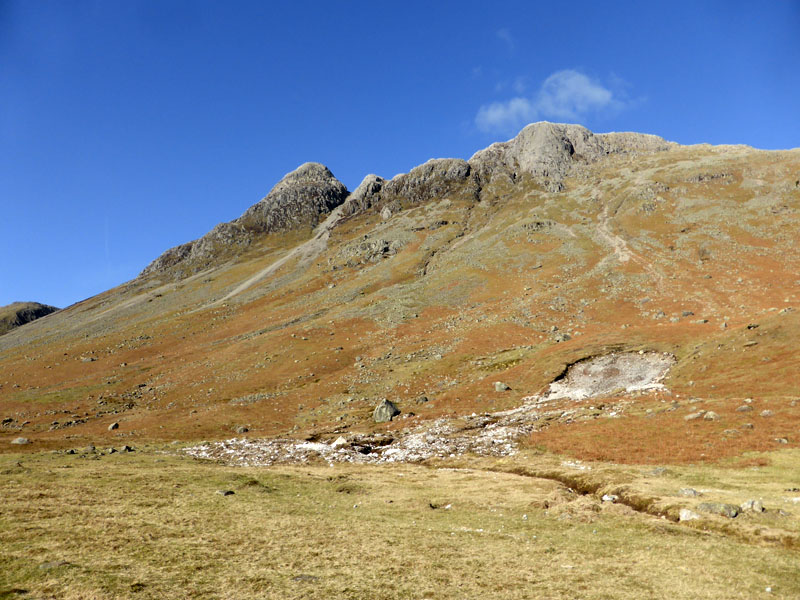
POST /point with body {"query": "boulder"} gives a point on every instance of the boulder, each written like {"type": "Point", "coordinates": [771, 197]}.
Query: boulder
{"type": "Point", "coordinates": [719, 508]}
{"type": "Point", "coordinates": [688, 515]}
{"type": "Point", "coordinates": [385, 411]}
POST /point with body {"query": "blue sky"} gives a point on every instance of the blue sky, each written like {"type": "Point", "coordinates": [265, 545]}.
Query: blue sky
{"type": "Point", "coordinates": [130, 127]}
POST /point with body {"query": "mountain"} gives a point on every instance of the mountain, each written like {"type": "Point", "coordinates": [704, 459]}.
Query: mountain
{"type": "Point", "coordinates": [18, 313]}
{"type": "Point", "coordinates": [537, 254]}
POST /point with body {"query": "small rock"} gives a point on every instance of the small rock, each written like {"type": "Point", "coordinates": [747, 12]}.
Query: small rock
{"type": "Point", "coordinates": [303, 578]}
{"type": "Point", "coordinates": [241, 429]}
{"type": "Point", "coordinates": [710, 416]}
{"type": "Point", "coordinates": [695, 415]}
{"type": "Point", "coordinates": [126, 449]}
{"type": "Point", "coordinates": [421, 400]}
{"type": "Point", "coordinates": [53, 564]}
{"type": "Point", "coordinates": [747, 426]}
{"type": "Point", "coordinates": [226, 492]}
{"type": "Point", "coordinates": [610, 498]}
{"type": "Point", "coordinates": [719, 508]}
{"type": "Point", "coordinates": [113, 426]}
{"type": "Point", "coordinates": [753, 506]}
{"type": "Point", "coordinates": [339, 442]}
{"type": "Point", "coordinates": [385, 411]}
{"type": "Point", "coordinates": [782, 440]}
{"type": "Point", "coordinates": [744, 408]}
{"type": "Point", "coordinates": [689, 492]}
{"type": "Point", "coordinates": [688, 515]}
{"type": "Point", "coordinates": [20, 441]}
{"type": "Point", "coordinates": [766, 413]}
{"type": "Point", "coordinates": [499, 386]}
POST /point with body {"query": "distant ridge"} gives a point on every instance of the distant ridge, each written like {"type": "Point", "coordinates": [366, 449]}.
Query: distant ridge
{"type": "Point", "coordinates": [19, 313]}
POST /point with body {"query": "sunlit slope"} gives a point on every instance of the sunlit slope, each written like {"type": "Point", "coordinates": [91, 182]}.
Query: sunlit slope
{"type": "Point", "coordinates": [446, 280]}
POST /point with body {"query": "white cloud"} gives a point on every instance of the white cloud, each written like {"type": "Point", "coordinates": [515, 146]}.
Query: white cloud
{"type": "Point", "coordinates": [507, 38]}
{"type": "Point", "coordinates": [564, 95]}
{"type": "Point", "coordinates": [504, 116]}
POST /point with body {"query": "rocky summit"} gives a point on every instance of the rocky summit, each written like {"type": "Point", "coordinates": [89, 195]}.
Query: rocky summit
{"type": "Point", "coordinates": [600, 278]}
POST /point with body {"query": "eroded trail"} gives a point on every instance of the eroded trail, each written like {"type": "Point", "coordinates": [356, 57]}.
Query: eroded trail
{"type": "Point", "coordinates": [305, 251]}
{"type": "Point", "coordinates": [623, 251]}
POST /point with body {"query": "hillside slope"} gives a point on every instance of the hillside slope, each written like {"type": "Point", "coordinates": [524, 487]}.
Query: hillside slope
{"type": "Point", "coordinates": [297, 318]}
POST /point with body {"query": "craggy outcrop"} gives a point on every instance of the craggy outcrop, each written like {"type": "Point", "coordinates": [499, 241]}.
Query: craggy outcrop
{"type": "Point", "coordinates": [364, 197]}
{"type": "Point", "coordinates": [298, 200]}
{"type": "Point", "coordinates": [19, 313]}
{"type": "Point", "coordinates": [548, 152]}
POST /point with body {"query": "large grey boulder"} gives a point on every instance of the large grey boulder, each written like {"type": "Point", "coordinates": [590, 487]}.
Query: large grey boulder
{"type": "Point", "coordinates": [385, 411]}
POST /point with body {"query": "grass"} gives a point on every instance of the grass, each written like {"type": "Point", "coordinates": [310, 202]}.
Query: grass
{"type": "Point", "coordinates": [151, 525]}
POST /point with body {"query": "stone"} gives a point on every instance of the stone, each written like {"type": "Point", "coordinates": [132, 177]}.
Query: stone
{"type": "Point", "coordinates": [689, 492]}
{"type": "Point", "coordinates": [53, 564]}
{"type": "Point", "coordinates": [113, 426]}
{"type": "Point", "coordinates": [386, 213]}
{"type": "Point", "coordinates": [719, 508]}
{"type": "Point", "coordinates": [241, 429]}
{"type": "Point", "coordinates": [225, 492]}
{"type": "Point", "coordinates": [499, 386]}
{"type": "Point", "coordinates": [695, 415]}
{"type": "Point", "coordinates": [339, 442]}
{"type": "Point", "coordinates": [710, 416]}
{"type": "Point", "coordinates": [688, 515]}
{"type": "Point", "coordinates": [752, 506]}
{"type": "Point", "coordinates": [766, 413]}
{"type": "Point", "coordinates": [385, 411]}
{"type": "Point", "coordinates": [421, 400]}
{"type": "Point", "coordinates": [610, 498]}
{"type": "Point", "coordinates": [747, 426]}
{"type": "Point", "coordinates": [20, 441]}
{"type": "Point", "coordinates": [126, 449]}
{"type": "Point", "coordinates": [744, 408]}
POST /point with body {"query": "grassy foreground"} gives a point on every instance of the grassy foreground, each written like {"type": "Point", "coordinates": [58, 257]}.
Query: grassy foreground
{"type": "Point", "coordinates": [153, 525]}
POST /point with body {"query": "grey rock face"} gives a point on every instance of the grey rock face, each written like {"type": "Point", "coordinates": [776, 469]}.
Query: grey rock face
{"type": "Point", "coordinates": [20, 441]}
{"type": "Point", "coordinates": [385, 411]}
{"type": "Point", "coordinates": [548, 151]}
{"type": "Point", "coordinates": [297, 200]}
{"type": "Point", "coordinates": [300, 199]}
{"type": "Point", "coordinates": [364, 197]}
